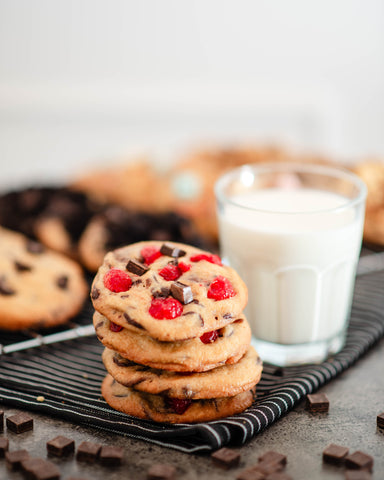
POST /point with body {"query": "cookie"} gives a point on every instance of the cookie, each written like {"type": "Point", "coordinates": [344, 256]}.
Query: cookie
{"type": "Point", "coordinates": [160, 408]}
{"type": "Point", "coordinates": [225, 381]}
{"type": "Point", "coordinates": [170, 292]}
{"type": "Point", "coordinates": [226, 346]}
{"type": "Point", "coordinates": [38, 288]}
{"type": "Point", "coordinates": [116, 226]}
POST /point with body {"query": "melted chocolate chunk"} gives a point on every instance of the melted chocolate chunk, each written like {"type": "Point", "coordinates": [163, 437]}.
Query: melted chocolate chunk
{"type": "Point", "coordinates": [62, 282]}
{"type": "Point", "coordinates": [171, 251]}
{"type": "Point", "coordinates": [95, 293]}
{"type": "Point", "coordinates": [22, 267]}
{"type": "Point", "coordinates": [162, 293]}
{"type": "Point", "coordinates": [5, 289]}
{"type": "Point", "coordinates": [182, 292]}
{"type": "Point", "coordinates": [133, 322]}
{"type": "Point", "coordinates": [136, 267]}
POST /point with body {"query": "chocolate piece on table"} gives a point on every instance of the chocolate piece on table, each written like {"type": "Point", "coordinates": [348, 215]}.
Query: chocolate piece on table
{"type": "Point", "coordinates": [267, 467]}
{"type": "Point", "coordinates": [226, 458]}
{"type": "Point", "coordinates": [251, 473]}
{"type": "Point", "coordinates": [181, 292]}
{"type": "Point", "coordinates": [359, 461]}
{"type": "Point", "coordinates": [171, 251]}
{"type": "Point", "coordinates": [88, 451]}
{"type": "Point", "coordinates": [136, 267]}
{"type": "Point", "coordinates": [111, 456]}
{"type": "Point", "coordinates": [15, 458]}
{"type": "Point", "coordinates": [273, 457]}
{"type": "Point", "coordinates": [161, 471]}
{"type": "Point", "coordinates": [335, 454]}
{"type": "Point", "coordinates": [1, 420]}
{"type": "Point", "coordinates": [317, 403]}
{"type": "Point", "coordinates": [4, 445]}
{"type": "Point", "coordinates": [20, 423]}
{"type": "Point", "coordinates": [380, 420]}
{"type": "Point", "coordinates": [40, 469]}
{"type": "Point", "coordinates": [61, 446]}
{"type": "Point", "coordinates": [357, 475]}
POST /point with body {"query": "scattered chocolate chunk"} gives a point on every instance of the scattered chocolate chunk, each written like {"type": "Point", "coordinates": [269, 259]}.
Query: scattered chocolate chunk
{"type": "Point", "coordinates": [4, 445]}
{"type": "Point", "coordinates": [62, 282]}
{"type": "Point", "coordinates": [359, 461]}
{"type": "Point", "coordinates": [22, 267]}
{"type": "Point", "coordinates": [1, 420]}
{"type": "Point", "coordinates": [357, 475]}
{"type": "Point", "coordinates": [20, 423]}
{"type": "Point", "coordinates": [251, 473]}
{"type": "Point", "coordinates": [380, 420]}
{"type": "Point", "coordinates": [40, 469]}
{"type": "Point", "coordinates": [317, 403]}
{"type": "Point", "coordinates": [268, 467]}
{"type": "Point", "coordinates": [181, 292]}
{"type": "Point", "coordinates": [61, 446]}
{"type": "Point", "coordinates": [111, 456]}
{"type": "Point", "coordinates": [14, 459]}
{"type": "Point", "coordinates": [161, 471]}
{"type": "Point", "coordinates": [226, 458]}
{"type": "Point", "coordinates": [5, 289]}
{"type": "Point", "coordinates": [88, 452]}
{"type": "Point", "coordinates": [95, 293]}
{"type": "Point", "coordinates": [162, 293]}
{"type": "Point", "coordinates": [34, 247]}
{"type": "Point", "coordinates": [335, 454]}
{"type": "Point", "coordinates": [171, 251]}
{"type": "Point", "coordinates": [136, 267]}
{"type": "Point", "coordinates": [273, 457]}
{"type": "Point", "coordinates": [133, 322]}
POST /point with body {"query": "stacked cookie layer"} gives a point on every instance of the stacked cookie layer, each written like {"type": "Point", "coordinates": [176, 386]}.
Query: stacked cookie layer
{"type": "Point", "coordinates": [177, 343]}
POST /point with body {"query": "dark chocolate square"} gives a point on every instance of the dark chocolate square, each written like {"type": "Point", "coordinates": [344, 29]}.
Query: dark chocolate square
{"type": "Point", "coordinates": [20, 423]}
{"type": "Point", "coordinates": [40, 469]}
{"type": "Point", "coordinates": [273, 457]}
{"type": "Point", "coordinates": [61, 446]}
{"type": "Point", "coordinates": [357, 475]}
{"type": "Point", "coordinates": [226, 458]}
{"type": "Point", "coordinates": [88, 452]}
{"type": "Point", "coordinates": [4, 446]}
{"type": "Point", "coordinates": [111, 456]}
{"type": "Point", "coordinates": [171, 251]}
{"type": "Point", "coordinates": [14, 459]}
{"type": "Point", "coordinates": [161, 471]}
{"type": "Point", "coordinates": [380, 420]}
{"type": "Point", "coordinates": [136, 267]}
{"type": "Point", "coordinates": [182, 293]}
{"type": "Point", "coordinates": [335, 454]}
{"type": "Point", "coordinates": [317, 403]}
{"type": "Point", "coordinates": [359, 461]}
{"type": "Point", "coordinates": [251, 473]}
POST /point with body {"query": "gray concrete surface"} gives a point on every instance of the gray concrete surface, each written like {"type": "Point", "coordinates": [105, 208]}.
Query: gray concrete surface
{"type": "Point", "coordinates": [356, 398]}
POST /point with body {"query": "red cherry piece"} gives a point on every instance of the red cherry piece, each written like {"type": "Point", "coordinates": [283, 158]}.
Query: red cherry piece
{"type": "Point", "coordinates": [150, 254]}
{"type": "Point", "coordinates": [117, 280]}
{"type": "Point", "coordinates": [209, 257]}
{"type": "Point", "coordinates": [210, 337]}
{"type": "Point", "coordinates": [170, 272]}
{"type": "Point", "coordinates": [220, 289]}
{"type": "Point", "coordinates": [114, 327]}
{"type": "Point", "coordinates": [179, 405]}
{"type": "Point", "coordinates": [184, 267]}
{"type": "Point", "coordinates": [165, 308]}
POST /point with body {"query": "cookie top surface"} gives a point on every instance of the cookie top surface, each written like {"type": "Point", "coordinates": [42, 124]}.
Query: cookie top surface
{"type": "Point", "coordinates": [224, 346]}
{"type": "Point", "coordinates": [38, 288]}
{"type": "Point", "coordinates": [225, 381]}
{"type": "Point", "coordinates": [160, 408]}
{"type": "Point", "coordinates": [170, 291]}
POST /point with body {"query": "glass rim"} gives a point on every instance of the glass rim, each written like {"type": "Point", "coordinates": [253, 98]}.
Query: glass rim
{"type": "Point", "coordinates": [332, 171]}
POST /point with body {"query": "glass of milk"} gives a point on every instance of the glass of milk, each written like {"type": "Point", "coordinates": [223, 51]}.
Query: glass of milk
{"type": "Point", "coordinates": [294, 234]}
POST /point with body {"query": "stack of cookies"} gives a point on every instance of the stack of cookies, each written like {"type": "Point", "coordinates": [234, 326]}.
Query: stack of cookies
{"type": "Point", "coordinates": [177, 343]}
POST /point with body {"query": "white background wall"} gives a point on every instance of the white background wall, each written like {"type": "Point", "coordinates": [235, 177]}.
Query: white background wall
{"type": "Point", "coordinates": [86, 80]}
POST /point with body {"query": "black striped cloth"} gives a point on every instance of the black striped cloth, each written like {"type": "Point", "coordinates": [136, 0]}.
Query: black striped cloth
{"type": "Point", "coordinates": [68, 376]}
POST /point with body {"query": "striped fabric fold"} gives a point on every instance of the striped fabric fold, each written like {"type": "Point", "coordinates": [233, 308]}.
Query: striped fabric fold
{"type": "Point", "coordinates": [68, 375]}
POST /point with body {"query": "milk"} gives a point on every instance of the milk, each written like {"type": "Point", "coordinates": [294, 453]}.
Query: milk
{"type": "Point", "coordinates": [299, 267]}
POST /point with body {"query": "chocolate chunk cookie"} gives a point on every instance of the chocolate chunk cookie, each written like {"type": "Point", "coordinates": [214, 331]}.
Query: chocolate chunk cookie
{"type": "Point", "coordinates": [170, 291]}
{"type": "Point", "coordinates": [224, 346]}
{"type": "Point", "coordinates": [38, 288]}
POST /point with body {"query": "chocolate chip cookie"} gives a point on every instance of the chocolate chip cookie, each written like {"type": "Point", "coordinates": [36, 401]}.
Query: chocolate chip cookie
{"type": "Point", "coordinates": [170, 291]}
{"type": "Point", "coordinates": [38, 288]}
